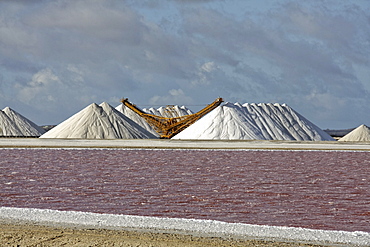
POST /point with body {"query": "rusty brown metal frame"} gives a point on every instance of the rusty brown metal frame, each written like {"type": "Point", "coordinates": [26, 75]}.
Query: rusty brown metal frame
{"type": "Point", "coordinates": [168, 127]}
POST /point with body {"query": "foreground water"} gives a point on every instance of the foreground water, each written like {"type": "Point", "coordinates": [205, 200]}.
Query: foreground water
{"type": "Point", "coordinates": [319, 190]}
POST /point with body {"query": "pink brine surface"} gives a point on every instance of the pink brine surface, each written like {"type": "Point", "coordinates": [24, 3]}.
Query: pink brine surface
{"type": "Point", "coordinates": [312, 189]}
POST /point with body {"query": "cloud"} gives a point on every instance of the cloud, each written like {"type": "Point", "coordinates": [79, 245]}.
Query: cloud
{"type": "Point", "coordinates": [340, 33]}
{"type": "Point", "coordinates": [58, 56]}
{"type": "Point", "coordinates": [43, 78]}
{"type": "Point", "coordinates": [40, 83]}
{"type": "Point", "coordinates": [174, 96]}
{"type": "Point", "coordinates": [306, 51]}
{"type": "Point", "coordinates": [91, 19]}
{"type": "Point", "coordinates": [204, 73]}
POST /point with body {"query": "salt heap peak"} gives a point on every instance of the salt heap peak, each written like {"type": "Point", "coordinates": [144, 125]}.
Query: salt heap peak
{"type": "Point", "coordinates": [98, 122]}
{"type": "Point", "coordinates": [169, 112]}
{"type": "Point", "coordinates": [136, 118]}
{"type": "Point", "coordinates": [254, 122]}
{"type": "Point", "coordinates": [14, 124]}
{"type": "Point", "coordinates": [360, 134]}
{"type": "Point", "coordinates": [124, 125]}
{"type": "Point", "coordinates": [7, 126]}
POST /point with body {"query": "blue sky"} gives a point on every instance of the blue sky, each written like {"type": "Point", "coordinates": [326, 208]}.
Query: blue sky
{"type": "Point", "coordinates": [57, 57]}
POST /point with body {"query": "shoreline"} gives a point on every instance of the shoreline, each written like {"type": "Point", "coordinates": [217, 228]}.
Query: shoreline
{"type": "Point", "coordinates": [16, 234]}
{"type": "Point", "coordinates": [29, 220]}
{"type": "Point", "coordinates": [184, 144]}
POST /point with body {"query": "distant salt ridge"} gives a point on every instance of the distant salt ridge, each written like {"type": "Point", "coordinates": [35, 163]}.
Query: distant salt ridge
{"type": "Point", "coordinates": [14, 124]}
{"type": "Point", "coordinates": [98, 122]}
{"type": "Point", "coordinates": [136, 118]}
{"type": "Point", "coordinates": [175, 111]}
{"type": "Point", "coordinates": [187, 226]}
{"type": "Point", "coordinates": [254, 122]}
{"type": "Point", "coordinates": [360, 134]}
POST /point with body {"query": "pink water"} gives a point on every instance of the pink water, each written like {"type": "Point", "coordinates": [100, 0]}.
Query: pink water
{"type": "Point", "coordinates": [313, 189]}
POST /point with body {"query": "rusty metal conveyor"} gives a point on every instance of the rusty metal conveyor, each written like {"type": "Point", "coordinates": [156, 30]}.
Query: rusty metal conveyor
{"type": "Point", "coordinates": [168, 127]}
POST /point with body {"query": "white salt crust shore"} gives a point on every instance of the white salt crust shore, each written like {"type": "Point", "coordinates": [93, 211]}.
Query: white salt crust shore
{"type": "Point", "coordinates": [182, 144]}
{"type": "Point", "coordinates": [205, 228]}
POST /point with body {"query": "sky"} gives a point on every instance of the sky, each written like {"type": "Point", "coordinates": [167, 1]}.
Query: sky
{"type": "Point", "coordinates": [59, 56]}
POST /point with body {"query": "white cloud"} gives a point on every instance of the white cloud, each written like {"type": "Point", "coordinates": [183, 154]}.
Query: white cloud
{"type": "Point", "coordinates": [208, 67]}
{"type": "Point", "coordinates": [176, 92]}
{"type": "Point", "coordinates": [44, 78]}
{"type": "Point", "coordinates": [50, 93]}
{"type": "Point", "coordinates": [38, 87]}
{"type": "Point", "coordinates": [204, 74]}
{"type": "Point", "coordinates": [174, 97]}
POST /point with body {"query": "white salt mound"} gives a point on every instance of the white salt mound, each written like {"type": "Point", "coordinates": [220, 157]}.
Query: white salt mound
{"type": "Point", "coordinates": [14, 124]}
{"type": "Point", "coordinates": [7, 127]}
{"type": "Point", "coordinates": [254, 122]}
{"type": "Point", "coordinates": [169, 112]}
{"type": "Point", "coordinates": [360, 134]}
{"type": "Point", "coordinates": [98, 122]}
{"type": "Point", "coordinates": [136, 118]}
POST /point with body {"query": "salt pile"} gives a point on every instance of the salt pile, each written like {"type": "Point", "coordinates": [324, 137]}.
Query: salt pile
{"type": "Point", "coordinates": [360, 134]}
{"type": "Point", "coordinates": [98, 122]}
{"type": "Point", "coordinates": [136, 118]}
{"type": "Point", "coordinates": [254, 122]}
{"type": "Point", "coordinates": [14, 124]}
{"type": "Point", "coordinates": [169, 111]}
{"type": "Point", "coordinates": [7, 127]}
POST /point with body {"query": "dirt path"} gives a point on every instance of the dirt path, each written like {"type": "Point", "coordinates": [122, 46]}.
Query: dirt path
{"type": "Point", "coordinates": [31, 235]}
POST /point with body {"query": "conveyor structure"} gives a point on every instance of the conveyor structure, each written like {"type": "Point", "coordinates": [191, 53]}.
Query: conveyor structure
{"type": "Point", "coordinates": [168, 127]}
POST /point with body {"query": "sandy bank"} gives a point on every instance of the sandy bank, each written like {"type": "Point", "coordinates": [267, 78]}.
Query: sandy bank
{"type": "Point", "coordinates": [35, 235]}
{"type": "Point", "coordinates": [24, 223]}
